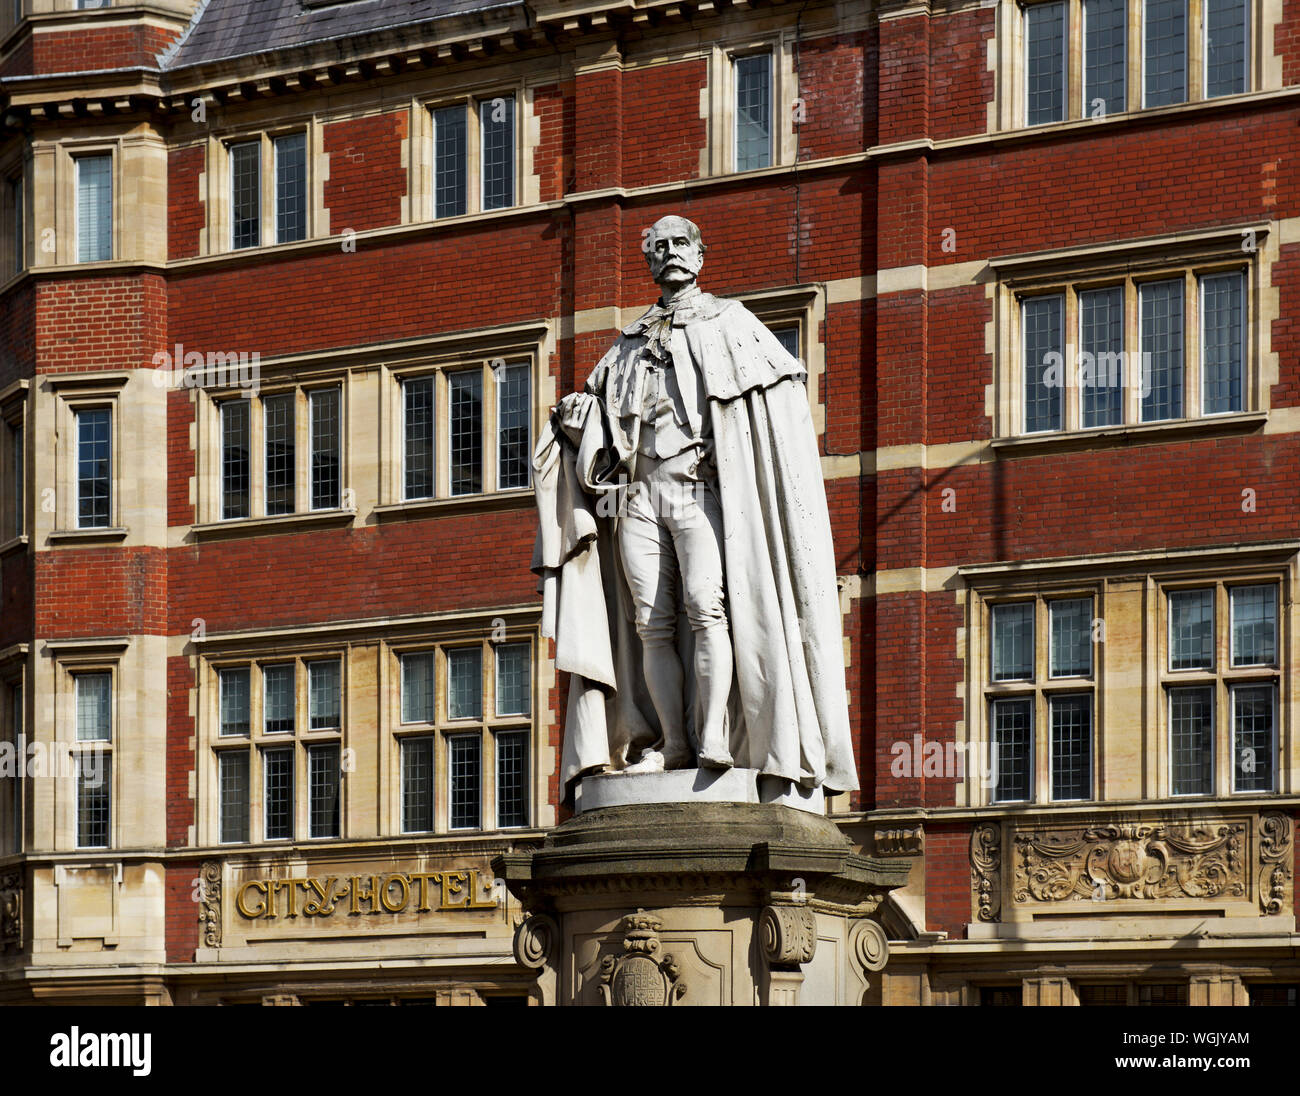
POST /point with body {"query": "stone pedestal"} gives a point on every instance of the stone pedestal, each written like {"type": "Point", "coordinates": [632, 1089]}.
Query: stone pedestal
{"type": "Point", "coordinates": [698, 903]}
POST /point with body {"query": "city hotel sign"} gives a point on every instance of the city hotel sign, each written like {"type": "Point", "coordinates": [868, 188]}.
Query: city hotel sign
{"type": "Point", "coordinates": [364, 895]}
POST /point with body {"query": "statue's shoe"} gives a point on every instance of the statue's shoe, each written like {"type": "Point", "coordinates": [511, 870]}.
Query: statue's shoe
{"type": "Point", "coordinates": [715, 761]}
{"type": "Point", "coordinates": [652, 761]}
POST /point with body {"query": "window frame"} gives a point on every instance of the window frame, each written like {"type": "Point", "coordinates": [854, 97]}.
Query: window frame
{"type": "Point", "coordinates": [1013, 110]}
{"type": "Point", "coordinates": [1223, 677]}
{"type": "Point", "coordinates": [1070, 273]}
{"type": "Point", "coordinates": [489, 425]}
{"type": "Point", "coordinates": [112, 501]}
{"type": "Point", "coordinates": [268, 198]}
{"type": "Point", "coordinates": [77, 392]}
{"type": "Point", "coordinates": [77, 156]}
{"type": "Point", "coordinates": [301, 394]}
{"type": "Point", "coordinates": [442, 728]}
{"type": "Point", "coordinates": [257, 741]}
{"type": "Point", "coordinates": [73, 671]}
{"type": "Point", "coordinates": [13, 725]}
{"type": "Point", "coordinates": [782, 44]}
{"type": "Point", "coordinates": [474, 176]}
{"type": "Point", "coordinates": [16, 216]}
{"type": "Point", "coordinates": [1041, 688]}
{"type": "Point", "coordinates": [15, 464]}
{"type": "Point", "coordinates": [734, 58]}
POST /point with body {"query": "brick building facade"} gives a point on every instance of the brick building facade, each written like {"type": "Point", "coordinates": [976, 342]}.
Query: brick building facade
{"type": "Point", "coordinates": [289, 288]}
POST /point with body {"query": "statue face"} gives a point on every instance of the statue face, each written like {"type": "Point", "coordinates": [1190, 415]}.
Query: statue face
{"type": "Point", "coordinates": [673, 252]}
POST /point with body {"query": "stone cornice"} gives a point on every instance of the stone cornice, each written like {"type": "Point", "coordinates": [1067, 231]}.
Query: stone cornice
{"type": "Point", "coordinates": [505, 30]}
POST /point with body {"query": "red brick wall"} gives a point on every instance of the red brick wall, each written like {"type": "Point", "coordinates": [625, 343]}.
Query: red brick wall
{"type": "Point", "coordinates": [17, 333]}
{"type": "Point", "coordinates": [186, 213]}
{"type": "Point", "coordinates": [1286, 41]}
{"type": "Point", "coordinates": [904, 79]}
{"type": "Point", "coordinates": [859, 627]}
{"type": "Point", "coordinates": [1286, 328]}
{"type": "Point", "coordinates": [367, 181]}
{"type": "Point", "coordinates": [99, 48]}
{"type": "Point", "coordinates": [816, 230]}
{"type": "Point", "coordinates": [1175, 495]}
{"type": "Point", "coordinates": [180, 458]}
{"type": "Point", "coordinates": [598, 130]}
{"type": "Point", "coordinates": [961, 85]}
{"type": "Point", "coordinates": [553, 157]}
{"type": "Point", "coordinates": [180, 755]}
{"type": "Point", "coordinates": [98, 322]}
{"type": "Point", "coordinates": [848, 385]}
{"type": "Point", "coordinates": [405, 567]}
{"type": "Point", "coordinates": [661, 106]}
{"type": "Point", "coordinates": [182, 916]}
{"type": "Point", "coordinates": [838, 95]}
{"type": "Point", "coordinates": [947, 879]}
{"type": "Point", "coordinates": [16, 588]}
{"type": "Point", "coordinates": [1206, 171]}
{"type": "Point", "coordinates": [333, 298]}
{"type": "Point", "coordinates": [899, 697]}
{"type": "Point", "coordinates": [86, 592]}
{"type": "Point", "coordinates": [957, 368]}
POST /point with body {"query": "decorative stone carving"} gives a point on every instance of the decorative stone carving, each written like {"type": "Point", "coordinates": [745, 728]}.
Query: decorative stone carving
{"type": "Point", "coordinates": [870, 946]}
{"type": "Point", "coordinates": [11, 910]}
{"type": "Point", "coordinates": [900, 841]}
{"type": "Point", "coordinates": [1275, 860]}
{"type": "Point", "coordinates": [788, 934]}
{"type": "Point", "coordinates": [210, 903]}
{"type": "Point", "coordinates": [986, 865]}
{"type": "Point", "coordinates": [281, 1000]}
{"type": "Point", "coordinates": [1131, 861]}
{"type": "Point", "coordinates": [640, 976]}
{"type": "Point", "coordinates": [535, 940]}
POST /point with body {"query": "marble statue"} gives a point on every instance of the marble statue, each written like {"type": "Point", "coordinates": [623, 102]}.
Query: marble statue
{"type": "Point", "coordinates": [685, 551]}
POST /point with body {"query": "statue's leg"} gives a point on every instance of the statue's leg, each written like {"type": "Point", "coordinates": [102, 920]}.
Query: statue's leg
{"type": "Point", "coordinates": [695, 522]}
{"type": "Point", "coordinates": [651, 570]}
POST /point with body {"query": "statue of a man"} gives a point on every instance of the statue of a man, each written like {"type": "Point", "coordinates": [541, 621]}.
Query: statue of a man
{"type": "Point", "coordinates": [685, 547]}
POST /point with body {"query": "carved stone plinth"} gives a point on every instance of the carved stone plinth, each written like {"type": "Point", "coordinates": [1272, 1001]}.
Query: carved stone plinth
{"type": "Point", "coordinates": [707, 903]}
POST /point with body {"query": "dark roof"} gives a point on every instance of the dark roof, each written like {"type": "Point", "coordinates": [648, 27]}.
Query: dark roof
{"type": "Point", "coordinates": [236, 28]}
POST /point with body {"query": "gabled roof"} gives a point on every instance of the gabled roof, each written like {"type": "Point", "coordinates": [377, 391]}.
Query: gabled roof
{"type": "Point", "coordinates": [236, 28]}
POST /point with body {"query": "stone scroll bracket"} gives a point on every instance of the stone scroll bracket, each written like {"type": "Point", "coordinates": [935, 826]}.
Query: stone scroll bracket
{"type": "Point", "coordinates": [11, 910]}
{"type": "Point", "coordinates": [787, 936]}
{"type": "Point", "coordinates": [1276, 855]}
{"type": "Point", "coordinates": [537, 946]}
{"type": "Point", "coordinates": [210, 903]}
{"type": "Point", "coordinates": [986, 871]}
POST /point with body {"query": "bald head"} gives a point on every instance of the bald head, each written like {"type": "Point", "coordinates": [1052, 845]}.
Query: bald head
{"type": "Point", "coordinates": [674, 251]}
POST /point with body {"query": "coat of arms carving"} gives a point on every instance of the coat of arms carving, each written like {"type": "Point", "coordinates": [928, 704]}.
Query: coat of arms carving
{"type": "Point", "coordinates": [642, 975]}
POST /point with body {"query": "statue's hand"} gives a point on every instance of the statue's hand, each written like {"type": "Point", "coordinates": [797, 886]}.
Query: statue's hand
{"type": "Point", "coordinates": [573, 410]}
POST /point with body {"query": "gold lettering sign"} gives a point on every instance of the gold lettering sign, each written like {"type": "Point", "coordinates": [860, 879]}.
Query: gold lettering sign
{"type": "Point", "coordinates": [269, 899]}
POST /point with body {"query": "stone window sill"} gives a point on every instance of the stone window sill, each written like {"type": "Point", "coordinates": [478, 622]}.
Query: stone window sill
{"type": "Point", "coordinates": [1118, 437]}
{"type": "Point", "coordinates": [280, 522]}
{"type": "Point", "coordinates": [461, 504]}
{"type": "Point", "coordinates": [114, 533]}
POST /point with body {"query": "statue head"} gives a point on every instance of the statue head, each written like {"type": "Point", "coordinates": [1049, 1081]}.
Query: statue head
{"type": "Point", "coordinates": [674, 250]}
